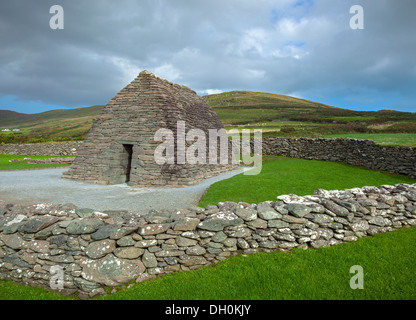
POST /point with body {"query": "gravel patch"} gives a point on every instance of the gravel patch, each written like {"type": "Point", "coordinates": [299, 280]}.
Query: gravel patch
{"type": "Point", "coordinates": [46, 186]}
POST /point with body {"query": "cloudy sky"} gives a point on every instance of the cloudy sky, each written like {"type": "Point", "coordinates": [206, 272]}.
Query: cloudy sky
{"type": "Point", "coordinates": [302, 48]}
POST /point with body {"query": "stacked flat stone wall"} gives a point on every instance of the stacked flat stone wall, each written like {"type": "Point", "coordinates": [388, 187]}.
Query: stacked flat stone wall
{"type": "Point", "coordinates": [401, 160]}
{"type": "Point", "coordinates": [367, 153]}
{"type": "Point", "coordinates": [68, 160]}
{"type": "Point", "coordinates": [99, 249]}
{"type": "Point", "coordinates": [42, 149]}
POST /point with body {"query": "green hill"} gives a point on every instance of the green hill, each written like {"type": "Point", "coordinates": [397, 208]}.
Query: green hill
{"type": "Point", "coordinates": [11, 118]}
{"type": "Point", "coordinates": [243, 107]}
{"type": "Point", "coordinates": [62, 124]}
{"type": "Point", "coordinates": [258, 99]}
{"type": "Point", "coordinates": [275, 114]}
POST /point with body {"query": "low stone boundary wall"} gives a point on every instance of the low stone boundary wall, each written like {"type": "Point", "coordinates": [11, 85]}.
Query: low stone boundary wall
{"type": "Point", "coordinates": [42, 149]}
{"type": "Point", "coordinates": [68, 160]}
{"type": "Point", "coordinates": [367, 153]}
{"type": "Point", "coordinates": [98, 249]}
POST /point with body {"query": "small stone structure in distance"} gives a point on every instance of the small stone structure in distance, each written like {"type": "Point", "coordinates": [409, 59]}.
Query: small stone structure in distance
{"type": "Point", "coordinates": [120, 146]}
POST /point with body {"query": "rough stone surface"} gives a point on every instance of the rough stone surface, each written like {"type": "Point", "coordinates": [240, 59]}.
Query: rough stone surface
{"type": "Point", "coordinates": [218, 221]}
{"type": "Point", "coordinates": [298, 210]}
{"type": "Point", "coordinates": [110, 270]}
{"type": "Point", "coordinates": [36, 224]}
{"type": "Point", "coordinates": [186, 224]}
{"type": "Point", "coordinates": [101, 248]}
{"type": "Point", "coordinates": [266, 212]}
{"type": "Point", "coordinates": [84, 226]}
{"type": "Point", "coordinates": [42, 149]}
{"type": "Point", "coordinates": [120, 147]}
{"type": "Point", "coordinates": [128, 253]}
{"type": "Point", "coordinates": [247, 214]}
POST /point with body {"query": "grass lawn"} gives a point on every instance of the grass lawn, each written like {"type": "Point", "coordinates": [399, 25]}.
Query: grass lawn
{"type": "Point", "coordinates": [13, 291]}
{"type": "Point", "coordinates": [22, 164]}
{"type": "Point", "coordinates": [301, 274]}
{"type": "Point", "coordinates": [313, 274]}
{"type": "Point", "coordinates": [385, 139]}
{"type": "Point", "coordinates": [282, 175]}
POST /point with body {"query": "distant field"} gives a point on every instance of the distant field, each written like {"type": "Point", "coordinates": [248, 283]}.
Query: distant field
{"type": "Point", "coordinates": [353, 118]}
{"type": "Point", "coordinates": [387, 139]}
{"type": "Point", "coordinates": [55, 125]}
{"type": "Point", "coordinates": [22, 131]}
{"type": "Point", "coordinates": [278, 115]}
{"type": "Point", "coordinates": [22, 164]}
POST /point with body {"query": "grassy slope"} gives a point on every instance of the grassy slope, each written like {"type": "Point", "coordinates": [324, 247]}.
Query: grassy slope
{"type": "Point", "coordinates": [239, 107]}
{"type": "Point", "coordinates": [252, 99]}
{"type": "Point", "coordinates": [385, 139]}
{"type": "Point", "coordinates": [282, 115]}
{"type": "Point", "coordinates": [301, 274]}
{"type": "Point", "coordinates": [11, 119]}
{"type": "Point", "coordinates": [52, 124]}
{"type": "Point", "coordinates": [282, 175]}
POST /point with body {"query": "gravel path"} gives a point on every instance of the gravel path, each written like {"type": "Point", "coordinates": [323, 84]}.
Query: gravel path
{"type": "Point", "coordinates": [46, 186]}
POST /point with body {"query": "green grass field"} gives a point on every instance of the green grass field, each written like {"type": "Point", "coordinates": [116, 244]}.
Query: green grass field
{"type": "Point", "coordinates": [352, 118]}
{"type": "Point", "coordinates": [280, 175]}
{"type": "Point", "coordinates": [22, 164]}
{"type": "Point", "coordinates": [385, 139]}
{"type": "Point", "coordinates": [321, 274]}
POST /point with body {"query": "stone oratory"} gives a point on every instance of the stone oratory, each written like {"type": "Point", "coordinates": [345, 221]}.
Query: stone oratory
{"type": "Point", "coordinates": [120, 146]}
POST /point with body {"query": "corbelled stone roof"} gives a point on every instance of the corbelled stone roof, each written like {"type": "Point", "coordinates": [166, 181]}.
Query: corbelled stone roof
{"type": "Point", "coordinates": [132, 117]}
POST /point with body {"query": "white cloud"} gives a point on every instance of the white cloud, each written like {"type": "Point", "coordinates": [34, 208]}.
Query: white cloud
{"type": "Point", "coordinates": [128, 69]}
{"type": "Point", "coordinates": [210, 91]}
{"type": "Point", "coordinates": [252, 41]}
{"type": "Point", "coordinates": [280, 46]}
{"type": "Point", "coordinates": [168, 72]}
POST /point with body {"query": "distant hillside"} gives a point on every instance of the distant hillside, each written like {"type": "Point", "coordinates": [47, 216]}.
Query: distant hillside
{"type": "Point", "coordinates": [259, 99]}
{"type": "Point", "coordinates": [234, 107]}
{"type": "Point", "coordinates": [7, 118]}
{"type": "Point", "coordinates": [277, 115]}
{"type": "Point", "coordinates": [11, 118]}
{"type": "Point", "coordinates": [242, 107]}
{"type": "Point", "coordinates": [62, 124]}
{"type": "Point", "coordinates": [247, 107]}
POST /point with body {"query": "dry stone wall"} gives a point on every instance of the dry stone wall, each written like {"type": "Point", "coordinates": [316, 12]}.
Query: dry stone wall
{"type": "Point", "coordinates": [99, 249]}
{"type": "Point", "coordinates": [42, 149]}
{"type": "Point", "coordinates": [401, 160]}
{"type": "Point", "coordinates": [367, 153]}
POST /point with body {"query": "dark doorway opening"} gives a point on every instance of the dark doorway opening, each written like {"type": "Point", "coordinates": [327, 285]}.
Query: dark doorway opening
{"type": "Point", "coordinates": [129, 153]}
